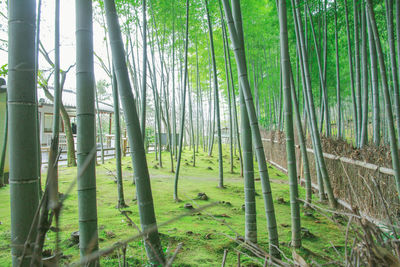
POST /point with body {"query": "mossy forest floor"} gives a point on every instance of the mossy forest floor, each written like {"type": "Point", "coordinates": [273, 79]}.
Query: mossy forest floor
{"type": "Point", "coordinates": [205, 235]}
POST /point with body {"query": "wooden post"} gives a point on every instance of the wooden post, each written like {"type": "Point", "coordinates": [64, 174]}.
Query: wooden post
{"type": "Point", "coordinates": [110, 124]}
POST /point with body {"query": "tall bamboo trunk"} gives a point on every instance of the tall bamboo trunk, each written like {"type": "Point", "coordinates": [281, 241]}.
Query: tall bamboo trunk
{"type": "Point", "coordinates": [157, 106]}
{"type": "Point", "coordinates": [357, 69]}
{"type": "Point", "coordinates": [307, 113]}
{"type": "Point", "coordinates": [236, 34]}
{"type": "Point", "coordinates": [228, 89]}
{"type": "Point", "coordinates": [117, 135]}
{"type": "Point", "coordinates": [138, 155]}
{"type": "Point", "coordinates": [191, 132]}
{"type": "Point", "coordinates": [364, 57]}
{"type": "Point", "coordinates": [144, 73]}
{"type": "Point", "coordinates": [302, 141]}
{"type": "Point", "coordinates": [178, 165]}
{"type": "Point", "coordinates": [235, 117]}
{"type": "Point", "coordinates": [338, 98]}
{"type": "Point", "coordinates": [100, 129]}
{"type": "Point", "coordinates": [376, 116]}
{"type": "Point", "coordinates": [311, 109]}
{"type": "Point", "coordinates": [393, 63]}
{"type": "Point", "coordinates": [325, 55]}
{"type": "Point", "coordinates": [22, 118]}
{"type": "Point", "coordinates": [174, 141]}
{"type": "Point", "coordinates": [324, 102]}
{"type": "Point", "coordinates": [321, 189]}
{"type": "Point", "coordinates": [290, 149]}
{"type": "Point", "coordinates": [248, 173]}
{"type": "Point", "coordinates": [216, 100]}
{"type": "Point", "coordinates": [398, 47]}
{"type": "Point", "coordinates": [4, 148]}
{"type": "Point", "coordinates": [86, 129]}
{"type": "Point", "coordinates": [38, 145]}
{"type": "Point", "coordinates": [198, 102]}
{"type": "Point", "coordinates": [349, 53]}
{"type": "Point", "coordinates": [386, 94]}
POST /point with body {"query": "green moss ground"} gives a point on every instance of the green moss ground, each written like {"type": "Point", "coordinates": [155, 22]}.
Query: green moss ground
{"type": "Point", "coordinates": [198, 250]}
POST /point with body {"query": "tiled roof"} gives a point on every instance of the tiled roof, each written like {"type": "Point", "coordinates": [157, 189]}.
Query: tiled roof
{"type": "Point", "coordinates": [69, 100]}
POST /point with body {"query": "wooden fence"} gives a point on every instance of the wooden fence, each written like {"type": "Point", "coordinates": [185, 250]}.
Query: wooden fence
{"type": "Point", "coordinates": [355, 183]}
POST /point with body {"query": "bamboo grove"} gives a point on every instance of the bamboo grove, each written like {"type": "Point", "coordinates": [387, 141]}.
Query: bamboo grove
{"type": "Point", "coordinates": [206, 73]}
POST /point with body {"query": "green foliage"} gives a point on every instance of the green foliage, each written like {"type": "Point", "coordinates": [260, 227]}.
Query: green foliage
{"type": "Point", "coordinates": [103, 88]}
{"type": "Point", "coordinates": [4, 70]}
{"type": "Point", "coordinates": [150, 135]}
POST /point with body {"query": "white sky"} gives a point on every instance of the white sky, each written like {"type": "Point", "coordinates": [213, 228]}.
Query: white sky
{"type": "Point", "coordinates": [67, 39]}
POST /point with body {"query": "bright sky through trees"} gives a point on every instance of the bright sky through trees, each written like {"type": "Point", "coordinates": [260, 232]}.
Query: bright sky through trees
{"type": "Point", "coordinates": [67, 38]}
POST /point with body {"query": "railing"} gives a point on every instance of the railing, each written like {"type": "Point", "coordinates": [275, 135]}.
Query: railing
{"type": "Point", "coordinates": [108, 147]}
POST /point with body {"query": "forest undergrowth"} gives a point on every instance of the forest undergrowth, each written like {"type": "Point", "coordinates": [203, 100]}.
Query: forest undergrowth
{"type": "Point", "coordinates": [204, 235]}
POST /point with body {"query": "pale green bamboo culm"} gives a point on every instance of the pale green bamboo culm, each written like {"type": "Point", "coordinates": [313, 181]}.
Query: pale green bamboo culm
{"type": "Point", "coordinates": [216, 100]}
{"type": "Point", "coordinates": [393, 63]}
{"type": "Point", "coordinates": [290, 149]}
{"type": "Point", "coordinates": [86, 129]}
{"type": "Point", "coordinates": [50, 198]}
{"type": "Point", "coordinates": [118, 156]}
{"type": "Point", "coordinates": [144, 76]}
{"type": "Point", "coordinates": [178, 164]}
{"type": "Point", "coordinates": [250, 217]}
{"type": "Point", "coordinates": [24, 180]}
{"type": "Point", "coordinates": [302, 143]}
{"type": "Point", "coordinates": [364, 80]}
{"type": "Point", "coordinates": [338, 98]}
{"type": "Point", "coordinates": [376, 118]}
{"type": "Point", "coordinates": [138, 155]}
{"type": "Point", "coordinates": [228, 88]}
{"type": "Point", "coordinates": [4, 147]}
{"type": "Point", "coordinates": [248, 174]}
{"type": "Point", "coordinates": [349, 53]}
{"type": "Point", "coordinates": [236, 36]}
{"type": "Point", "coordinates": [386, 95]}
{"type": "Point", "coordinates": [311, 109]}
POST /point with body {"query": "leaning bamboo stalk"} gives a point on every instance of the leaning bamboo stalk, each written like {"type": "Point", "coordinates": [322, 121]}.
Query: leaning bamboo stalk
{"type": "Point", "coordinates": [176, 198]}
{"type": "Point", "coordinates": [374, 84]}
{"type": "Point", "coordinates": [235, 117]}
{"type": "Point", "coordinates": [357, 70]}
{"type": "Point", "coordinates": [216, 100]}
{"type": "Point", "coordinates": [321, 77]}
{"type": "Point", "coordinates": [386, 94]}
{"type": "Point", "coordinates": [393, 63]}
{"type": "Point", "coordinates": [338, 98]}
{"type": "Point", "coordinates": [364, 115]}
{"type": "Point", "coordinates": [117, 134]}
{"type": "Point", "coordinates": [302, 141]}
{"type": "Point", "coordinates": [4, 147]}
{"type": "Point", "coordinates": [311, 109]}
{"type": "Point", "coordinates": [228, 88]}
{"type": "Point", "coordinates": [306, 103]}
{"type": "Point", "coordinates": [144, 74]}
{"type": "Point", "coordinates": [290, 149]}
{"type": "Point", "coordinates": [353, 95]}
{"type": "Point", "coordinates": [138, 155]}
{"type": "Point", "coordinates": [236, 35]}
